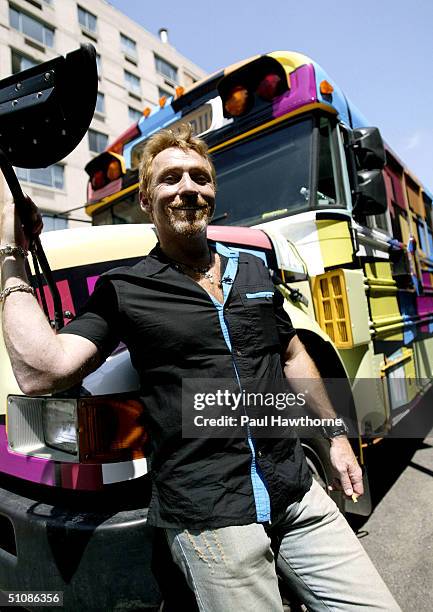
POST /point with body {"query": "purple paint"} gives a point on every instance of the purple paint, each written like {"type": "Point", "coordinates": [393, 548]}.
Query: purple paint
{"type": "Point", "coordinates": [302, 91]}
{"type": "Point", "coordinates": [34, 469]}
{"type": "Point", "coordinates": [424, 306]}
{"type": "Point", "coordinates": [91, 282]}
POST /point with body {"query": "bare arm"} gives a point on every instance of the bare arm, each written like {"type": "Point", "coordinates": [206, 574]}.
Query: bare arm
{"type": "Point", "coordinates": [298, 365]}
{"type": "Point", "coordinates": [41, 360]}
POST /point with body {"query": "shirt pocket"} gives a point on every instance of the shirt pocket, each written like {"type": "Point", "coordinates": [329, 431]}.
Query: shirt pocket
{"type": "Point", "coordinates": [259, 307]}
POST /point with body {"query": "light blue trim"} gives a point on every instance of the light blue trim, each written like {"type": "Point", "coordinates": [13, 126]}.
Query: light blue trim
{"type": "Point", "coordinates": [261, 496]}
{"type": "Point", "coordinates": [260, 294]}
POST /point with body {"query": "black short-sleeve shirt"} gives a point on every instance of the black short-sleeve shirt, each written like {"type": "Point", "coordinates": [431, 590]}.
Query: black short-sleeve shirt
{"type": "Point", "coordinates": [175, 330]}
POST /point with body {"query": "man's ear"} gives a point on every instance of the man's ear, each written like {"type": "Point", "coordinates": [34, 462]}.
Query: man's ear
{"type": "Point", "coordinates": [145, 204]}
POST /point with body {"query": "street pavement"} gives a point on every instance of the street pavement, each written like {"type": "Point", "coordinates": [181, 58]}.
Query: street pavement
{"type": "Point", "coordinates": [398, 535]}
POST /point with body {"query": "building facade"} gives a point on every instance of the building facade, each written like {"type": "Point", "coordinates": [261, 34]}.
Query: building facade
{"type": "Point", "coordinates": [135, 70]}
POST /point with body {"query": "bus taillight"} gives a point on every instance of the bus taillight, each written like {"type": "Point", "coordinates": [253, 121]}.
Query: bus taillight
{"type": "Point", "coordinates": [252, 85]}
{"type": "Point", "coordinates": [237, 101]}
{"type": "Point", "coordinates": [269, 87]}
{"type": "Point", "coordinates": [104, 169]}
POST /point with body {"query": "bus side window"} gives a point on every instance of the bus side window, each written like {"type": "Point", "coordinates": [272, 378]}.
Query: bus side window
{"type": "Point", "coordinates": [330, 190]}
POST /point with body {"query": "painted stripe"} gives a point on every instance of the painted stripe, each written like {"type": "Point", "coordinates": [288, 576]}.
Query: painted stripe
{"type": "Point", "coordinates": [126, 470]}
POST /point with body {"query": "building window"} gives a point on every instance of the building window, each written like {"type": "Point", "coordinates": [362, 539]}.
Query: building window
{"type": "Point", "coordinates": [134, 115]}
{"type": "Point", "coordinates": [166, 69]}
{"type": "Point", "coordinates": [53, 176]}
{"type": "Point", "coordinates": [188, 79]}
{"type": "Point", "coordinates": [129, 46]}
{"type": "Point", "coordinates": [31, 27]}
{"type": "Point", "coordinates": [163, 92]}
{"type": "Point", "coordinates": [53, 222]}
{"type": "Point", "coordinates": [97, 141]}
{"type": "Point", "coordinates": [100, 103]}
{"type": "Point", "coordinates": [132, 82]}
{"type": "Point", "coordinates": [21, 62]}
{"type": "Point", "coordinates": [86, 20]}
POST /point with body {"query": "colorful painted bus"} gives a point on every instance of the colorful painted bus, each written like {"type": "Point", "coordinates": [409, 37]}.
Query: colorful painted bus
{"type": "Point", "coordinates": [295, 158]}
{"type": "Point", "coordinates": [347, 230]}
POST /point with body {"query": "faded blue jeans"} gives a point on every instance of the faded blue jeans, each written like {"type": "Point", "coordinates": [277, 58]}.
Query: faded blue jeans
{"type": "Point", "coordinates": [232, 569]}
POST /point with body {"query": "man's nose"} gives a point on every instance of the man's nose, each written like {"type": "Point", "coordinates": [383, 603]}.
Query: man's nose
{"type": "Point", "coordinates": [187, 186]}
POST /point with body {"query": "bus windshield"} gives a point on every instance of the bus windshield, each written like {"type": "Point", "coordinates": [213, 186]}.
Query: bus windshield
{"type": "Point", "coordinates": [264, 177]}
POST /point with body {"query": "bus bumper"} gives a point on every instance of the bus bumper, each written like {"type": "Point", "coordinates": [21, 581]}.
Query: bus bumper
{"type": "Point", "coordinates": [100, 560]}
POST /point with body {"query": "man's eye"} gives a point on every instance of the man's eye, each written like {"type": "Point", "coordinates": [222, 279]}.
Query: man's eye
{"type": "Point", "coordinates": [201, 179]}
{"type": "Point", "coordinates": [170, 178]}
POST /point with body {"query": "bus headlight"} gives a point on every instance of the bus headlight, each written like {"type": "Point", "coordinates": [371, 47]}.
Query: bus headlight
{"type": "Point", "coordinates": [59, 422]}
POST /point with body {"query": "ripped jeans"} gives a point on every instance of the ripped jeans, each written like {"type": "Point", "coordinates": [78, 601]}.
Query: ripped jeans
{"type": "Point", "coordinates": [232, 569]}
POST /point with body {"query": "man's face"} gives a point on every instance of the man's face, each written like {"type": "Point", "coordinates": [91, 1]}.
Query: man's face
{"type": "Point", "coordinates": [182, 195]}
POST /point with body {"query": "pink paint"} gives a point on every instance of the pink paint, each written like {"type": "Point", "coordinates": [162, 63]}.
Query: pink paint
{"type": "Point", "coordinates": [43, 471]}
{"type": "Point", "coordinates": [35, 469]}
{"type": "Point", "coordinates": [91, 282]}
{"type": "Point", "coordinates": [81, 477]}
{"type": "Point", "coordinates": [239, 235]}
{"type": "Point", "coordinates": [424, 306]}
{"type": "Point", "coordinates": [65, 296]}
{"type": "Point", "coordinates": [302, 91]}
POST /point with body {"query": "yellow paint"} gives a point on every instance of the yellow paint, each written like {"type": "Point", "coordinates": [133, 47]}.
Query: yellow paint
{"type": "Point", "coordinates": [91, 208]}
{"type": "Point", "coordinates": [82, 246]}
{"type": "Point", "coordinates": [335, 242]}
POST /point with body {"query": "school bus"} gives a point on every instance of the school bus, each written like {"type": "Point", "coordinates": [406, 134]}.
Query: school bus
{"type": "Point", "coordinates": [307, 184]}
{"type": "Point", "coordinates": [295, 158]}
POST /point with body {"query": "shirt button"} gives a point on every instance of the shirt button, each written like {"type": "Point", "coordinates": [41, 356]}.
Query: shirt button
{"type": "Point", "coordinates": [259, 454]}
{"type": "Point", "coordinates": [239, 353]}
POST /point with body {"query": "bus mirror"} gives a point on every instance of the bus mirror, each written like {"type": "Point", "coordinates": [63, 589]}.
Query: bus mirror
{"type": "Point", "coordinates": [369, 149]}
{"type": "Point", "coordinates": [371, 194]}
{"type": "Point", "coordinates": [46, 110]}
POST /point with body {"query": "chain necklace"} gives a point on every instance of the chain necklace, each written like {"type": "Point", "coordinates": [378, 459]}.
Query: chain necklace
{"type": "Point", "coordinates": [203, 270]}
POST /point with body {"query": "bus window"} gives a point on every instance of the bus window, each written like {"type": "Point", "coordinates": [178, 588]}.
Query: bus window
{"type": "Point", "coordinates": [265, 177]}
{"type": "Point", "coordinates": [330, 184]}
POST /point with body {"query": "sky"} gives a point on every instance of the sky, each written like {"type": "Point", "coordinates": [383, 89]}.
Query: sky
{"type": "Point", "coordinates": [380, 52]}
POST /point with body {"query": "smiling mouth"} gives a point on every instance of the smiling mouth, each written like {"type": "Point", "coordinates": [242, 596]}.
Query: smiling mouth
{"type": "Point", "coordinates": [189, 208]}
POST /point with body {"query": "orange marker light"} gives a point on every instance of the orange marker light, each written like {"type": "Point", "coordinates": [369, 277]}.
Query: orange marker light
{"type": "Point", "coordinates": [162, 101]}
{"type": "Point", "coordinates": [114, 170]}
{"type": "Point", "coordinates": [237, 101]}
{"type": "Point", "coordinates": [146, 112]}
{"type": "Point", "coordinates": [179, 91]}
{"type": "Point", "coordinates": [326, 88]}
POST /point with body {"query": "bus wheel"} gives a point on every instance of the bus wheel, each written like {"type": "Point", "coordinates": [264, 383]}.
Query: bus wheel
{"type": "Point", "coordinates": [317, 455]}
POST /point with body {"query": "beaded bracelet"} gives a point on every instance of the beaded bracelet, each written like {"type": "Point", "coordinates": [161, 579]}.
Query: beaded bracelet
{"type": "Point", "coordinates": [8, 249]}
{"type": "Point", "coordinates": [9, 290]}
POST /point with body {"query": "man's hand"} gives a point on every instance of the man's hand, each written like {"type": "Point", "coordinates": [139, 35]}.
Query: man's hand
{"type": "Point", "coordinates": [12, 230]}
{"type": "Point", "coordinates": [346, 466]}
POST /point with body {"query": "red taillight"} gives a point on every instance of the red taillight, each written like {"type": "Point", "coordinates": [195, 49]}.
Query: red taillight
{"type": "Point", "coordinates": [127, 136]}
{"type": "Point", "coordinates": [105, 169]}
{"type": "Point", "coordinates": [98, 180]}
{"type": "Point", "coordinates": [237, 100]}
{"type": "Point", "coordinates": [269, 87]}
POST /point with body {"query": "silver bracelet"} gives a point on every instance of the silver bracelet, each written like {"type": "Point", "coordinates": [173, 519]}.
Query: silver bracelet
{"type": "Point", "coordinates": [8, 249]}
{"type": "Point", "coordinates": [9, 290]}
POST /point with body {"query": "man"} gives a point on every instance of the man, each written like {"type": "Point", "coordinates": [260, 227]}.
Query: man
{"type": "Point", "coordinates": [184, 312]}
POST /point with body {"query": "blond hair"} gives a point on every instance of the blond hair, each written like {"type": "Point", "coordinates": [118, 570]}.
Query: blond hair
{"type": "Point", "coordinates": [182, 139]}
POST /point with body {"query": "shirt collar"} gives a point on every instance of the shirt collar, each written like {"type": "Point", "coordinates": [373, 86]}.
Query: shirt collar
{"type": "Point", "coordinates": [157, 261]}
